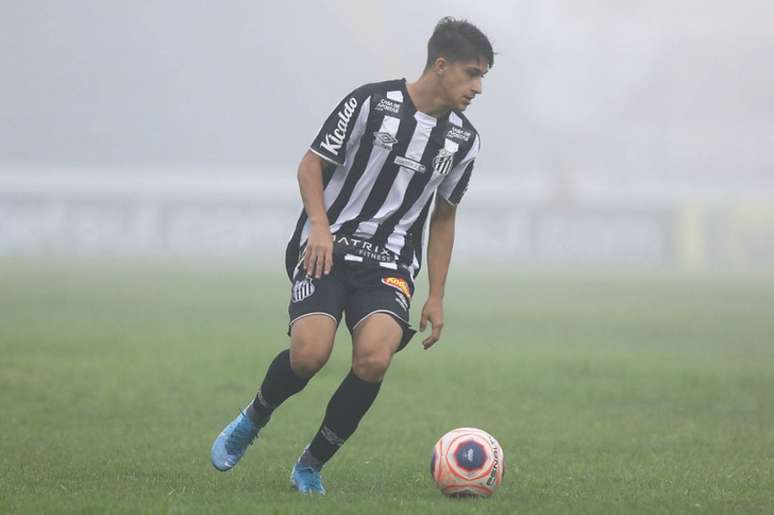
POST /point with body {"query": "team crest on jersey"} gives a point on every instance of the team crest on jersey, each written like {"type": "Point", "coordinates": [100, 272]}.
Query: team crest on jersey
{"type": "Point", "coordinates": [384, 140]}
{"type": "Point", "coordinates": [443, 161]}
{"type": "Point", "coordinates": [399, 284]}
{"type": "Point", "coordinates": [302, 289]}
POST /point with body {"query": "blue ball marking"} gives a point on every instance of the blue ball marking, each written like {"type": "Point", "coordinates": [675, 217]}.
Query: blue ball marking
{"type": "Point", "coordinates": [470, 455]}
{"type": "Point", "coordinates": [432, 465]}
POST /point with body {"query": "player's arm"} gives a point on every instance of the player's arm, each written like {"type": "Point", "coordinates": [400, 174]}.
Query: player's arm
{"type": "Point", "coordinates": [329, 148]}
{"type": "Point", "coordinates": [439, 250]}
{"type": "Point", "coordinates": [318, 256]}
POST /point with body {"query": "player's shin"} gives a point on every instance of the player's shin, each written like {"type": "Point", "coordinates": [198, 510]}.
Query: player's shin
{"type": "Point", "coordinates": [346, 408]}
{"type": "Point", "coordinates": [278, 385]}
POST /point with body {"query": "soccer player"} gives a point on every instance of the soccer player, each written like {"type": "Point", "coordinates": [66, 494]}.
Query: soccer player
{"type": "Point", "coordinates": [367, 184]}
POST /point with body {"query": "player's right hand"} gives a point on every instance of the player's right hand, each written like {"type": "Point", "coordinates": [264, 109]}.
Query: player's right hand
{"type": "Point", "coordinates": [318, 256]}
{"type": "Point", "coordinates": [432, 312]}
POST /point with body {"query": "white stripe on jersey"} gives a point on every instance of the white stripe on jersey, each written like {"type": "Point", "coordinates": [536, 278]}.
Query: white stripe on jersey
{"type": "Point", "coordinates": [450, 182]}
{"type": "Point", "coordinates": [442, 172]}
{"type": "Point", "coordinates": [416, 148]}
{"type": "Point", "coordinates": [455, 119]}
{"type": "Point", "coordinates": [366, 181]}
{"type": "Point", "coordinates": [334, 186]}
{"type": "Point", "coordinates": [397, 239]}
{"type": "Point", "coordinates": [396, 95]}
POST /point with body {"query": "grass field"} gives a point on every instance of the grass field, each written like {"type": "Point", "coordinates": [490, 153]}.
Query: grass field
{"type": "Point", "coordinates": [609, 393]}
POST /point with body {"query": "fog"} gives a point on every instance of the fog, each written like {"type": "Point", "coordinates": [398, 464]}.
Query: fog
{"type": "Point", "coordinates": [588, 100]}
{"type": "Point", "coordinates": [674, 89]}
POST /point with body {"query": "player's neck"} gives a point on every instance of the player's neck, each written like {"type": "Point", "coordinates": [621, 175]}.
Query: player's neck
{"type": "Point", "coordinates": [427, 97]}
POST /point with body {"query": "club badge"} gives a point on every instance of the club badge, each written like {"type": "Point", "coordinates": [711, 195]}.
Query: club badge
{"type": "Point", "coordinates": [442, 163]}
{"type": "Point", "coordinates": [302, 289]}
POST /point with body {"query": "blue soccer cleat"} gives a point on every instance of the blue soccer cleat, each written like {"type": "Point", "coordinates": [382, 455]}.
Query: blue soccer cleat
{"type": "Point", "coordinates": [307, 480]}
{"type": "Point", "coordinates": [232, 442]}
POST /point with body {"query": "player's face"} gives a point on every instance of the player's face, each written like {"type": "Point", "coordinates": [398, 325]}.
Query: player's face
{"type": "Point", "coordinates": [461, 81]}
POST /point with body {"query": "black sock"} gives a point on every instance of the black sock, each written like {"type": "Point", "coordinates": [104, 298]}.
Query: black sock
{"type": "Point", "coordinates": [279, 384]}
{"type": "Point", "coordinates": [345, 409]}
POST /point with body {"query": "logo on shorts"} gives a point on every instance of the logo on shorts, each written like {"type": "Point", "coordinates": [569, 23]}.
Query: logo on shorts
{"type": "Point", "coordinates": [302, 289]}
{"type": "Point", "coordinates": [400, 299]}
{"type": "Point", "coordinates": [399, 284]}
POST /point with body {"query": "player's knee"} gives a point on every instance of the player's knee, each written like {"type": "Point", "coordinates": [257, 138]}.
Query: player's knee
{"type": "Point", "coordinates": [311, 342]}
{"type": "Point", "coordinates": [371, 366]}
{"type": "Point", "coordinates": [306, 362]}
{"type": "Point", "coordinates": [308, 355]}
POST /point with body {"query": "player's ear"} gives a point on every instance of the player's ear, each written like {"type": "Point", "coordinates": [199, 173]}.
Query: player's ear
{"type": "Point", "coordinates": [440, 66]}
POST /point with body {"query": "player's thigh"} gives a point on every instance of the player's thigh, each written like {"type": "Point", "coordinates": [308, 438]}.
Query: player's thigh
{"type": "Point", "coordinates": [311, 343]}
{"type": "Point", "coordinates": [376, 337]}
{"type": "Point", "coordinates": [315, 309]}
{"type": "Point", "coordinates": [378, 311]}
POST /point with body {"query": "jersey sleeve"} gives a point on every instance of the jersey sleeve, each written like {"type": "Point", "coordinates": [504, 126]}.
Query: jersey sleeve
{"type": "Point", "coordinates": [346, 123]}
{"type": "Point", "coordinates": [454, 185]}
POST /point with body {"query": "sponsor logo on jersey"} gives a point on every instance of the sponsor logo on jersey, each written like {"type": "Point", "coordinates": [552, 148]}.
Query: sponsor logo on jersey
{"type": "Point", "coordinates": [334, 141]}
{"type": "Point", "coordinates": [387, 106]}
{"type": "Point", "coordinates": [365, 249]}
{"type": "Point", "coordinates": [384, 140]}
{"type": "Point", "coordinates": [405, 162]}
{"type": "Point", "coordinates": [458, 133]}
{"type": "Point", "coordinates": [443, 161]}
{"type": "Point", "coordinates": [302, 289]}
{"type": "Point", "coordinates": [399, 284]}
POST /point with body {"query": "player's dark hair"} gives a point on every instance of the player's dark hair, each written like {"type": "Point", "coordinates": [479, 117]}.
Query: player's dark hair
{"type": "Point", "coordinates": [458, 40]}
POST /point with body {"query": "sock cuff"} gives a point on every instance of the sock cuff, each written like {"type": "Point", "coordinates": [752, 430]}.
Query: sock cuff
{"type": "Point", "coordinates": [263, 402]}
{"type": "Point", "coordinates": [354, 380]}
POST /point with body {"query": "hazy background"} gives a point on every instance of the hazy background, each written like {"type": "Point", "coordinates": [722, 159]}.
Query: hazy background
{"type": "Point", "coordinates": [614, 131]}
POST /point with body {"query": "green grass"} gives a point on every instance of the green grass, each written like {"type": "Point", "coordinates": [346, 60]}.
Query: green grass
{"type": "Point", "coordinates": [609, 393]}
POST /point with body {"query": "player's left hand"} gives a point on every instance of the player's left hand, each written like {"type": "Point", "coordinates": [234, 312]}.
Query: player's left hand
{"type": "Point", "coordinates": [432, 311]}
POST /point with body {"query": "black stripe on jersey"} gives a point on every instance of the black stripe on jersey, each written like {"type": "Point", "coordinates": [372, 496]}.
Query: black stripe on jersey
{"type": "Point", "coordinates": [416, 185]}
{"type": "Point", "coordinates": [359, 165]}
{"type": "Point", "coordinates": [363, 154]}
{"type": "Point", "coordinates": [413, 244]}
{"type": "Point", "coordinates": [462, 185]}
{"type": "Point", "coordinates": [389, 171]}
{"type": "Point", "coordinates": [293, 248]}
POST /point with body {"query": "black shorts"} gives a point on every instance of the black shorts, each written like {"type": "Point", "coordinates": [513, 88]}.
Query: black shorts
{"type": "Point", "coordinates": [357, 287]}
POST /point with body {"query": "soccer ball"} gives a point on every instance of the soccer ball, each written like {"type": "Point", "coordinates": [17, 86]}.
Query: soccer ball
{"type": "Point", "coordinates": [467, 462]}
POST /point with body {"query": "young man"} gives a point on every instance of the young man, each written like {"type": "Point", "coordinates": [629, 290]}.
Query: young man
{"type": "Point", "coordinates": [367, 184]}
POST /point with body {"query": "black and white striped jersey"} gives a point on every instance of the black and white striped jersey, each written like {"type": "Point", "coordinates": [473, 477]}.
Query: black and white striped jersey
{"type": "Point", "coordinates": [387, 161]}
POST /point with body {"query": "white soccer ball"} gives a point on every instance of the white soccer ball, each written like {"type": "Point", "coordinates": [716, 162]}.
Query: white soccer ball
{"type": "Point", "coordinates": [467, 462]}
